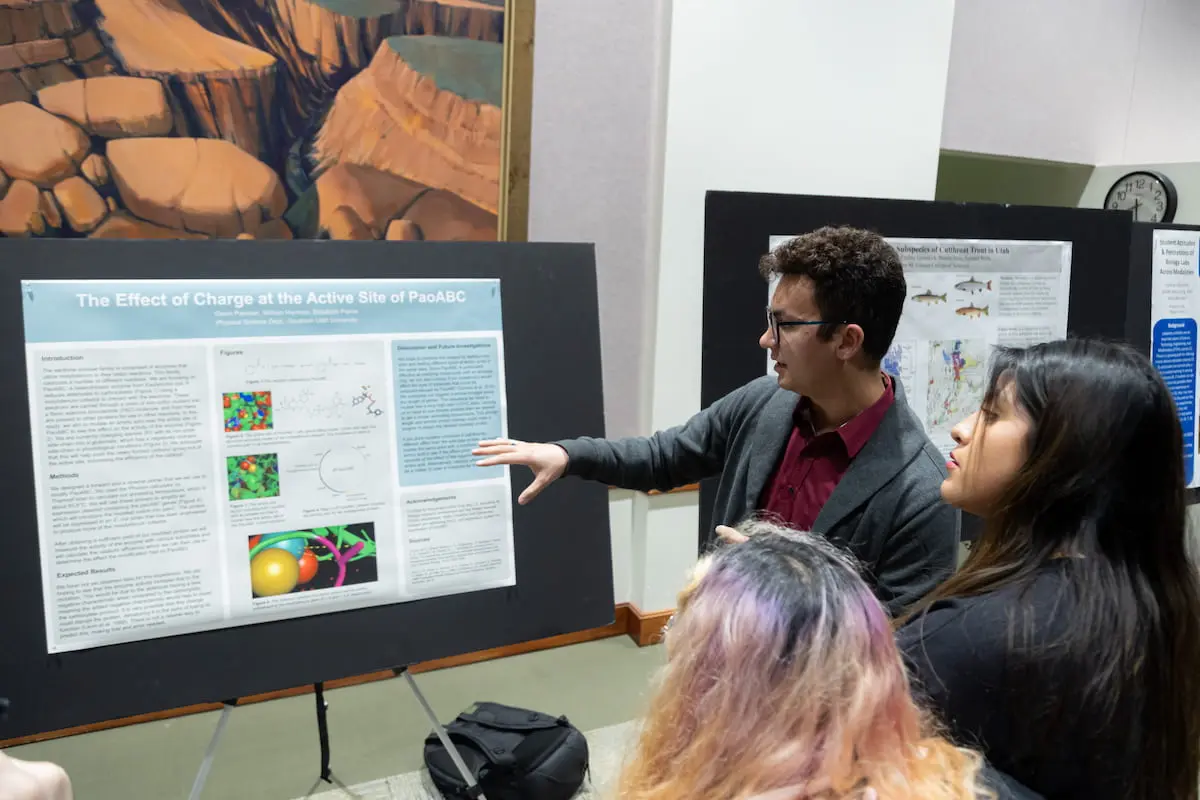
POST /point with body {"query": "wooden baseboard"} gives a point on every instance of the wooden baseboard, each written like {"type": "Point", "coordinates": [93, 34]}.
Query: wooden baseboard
{"type": "Point", "coordinates": [642, 628]}
{"type": "Point", "coordinates": [691, 487]}
{"type": "Point", "coordinates": [647, 629]}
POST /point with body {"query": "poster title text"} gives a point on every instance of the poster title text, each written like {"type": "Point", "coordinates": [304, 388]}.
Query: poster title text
{"type": "Point", "coordinates": [365, 297]}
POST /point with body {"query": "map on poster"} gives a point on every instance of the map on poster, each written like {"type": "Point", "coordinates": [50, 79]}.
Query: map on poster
{"type": "Point", "coordinates": [1174, 309]}
{"type": "Point", "coordinates": [217, 453]}
{"type": "Point", "coordinates": [966, 296]}
{"type": "Point", "coordinates": [957, 380]}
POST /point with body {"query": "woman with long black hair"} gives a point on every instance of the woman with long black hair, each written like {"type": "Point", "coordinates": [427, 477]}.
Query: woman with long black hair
{"type": "Point", "coordinates": [1067, 647]}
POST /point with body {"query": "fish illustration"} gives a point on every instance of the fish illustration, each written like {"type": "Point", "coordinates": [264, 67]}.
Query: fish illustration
{"type": "Point", "coordinates": [972, 311]}
{"type": "Point", "coordinates": [929, 297]}
{"type": "Point", "coordinates": [973, 286]}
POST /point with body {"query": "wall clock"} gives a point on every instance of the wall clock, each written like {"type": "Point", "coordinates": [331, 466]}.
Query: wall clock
{"type": "Point", "coordinates": [1149, 195]}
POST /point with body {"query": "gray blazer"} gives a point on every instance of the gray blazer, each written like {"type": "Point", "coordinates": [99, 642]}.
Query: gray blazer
{"type": "Point", "coordinates": [887, 510]}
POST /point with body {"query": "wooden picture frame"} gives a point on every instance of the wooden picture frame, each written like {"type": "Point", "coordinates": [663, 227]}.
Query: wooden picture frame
{"type": "Point", "coordinates": [518, 120]}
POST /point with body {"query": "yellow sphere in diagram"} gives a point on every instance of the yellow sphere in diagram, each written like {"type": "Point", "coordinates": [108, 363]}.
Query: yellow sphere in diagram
{"type": "Point", "coordinates": [274, 571]}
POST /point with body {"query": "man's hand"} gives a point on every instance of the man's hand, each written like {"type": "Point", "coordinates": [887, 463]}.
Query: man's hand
{"type": "Point", "coordinates": [730, 535]}
{"type": "Point", "coordinates": [548, 461]}
{"type": "Point", "coordinates": [33, 780]}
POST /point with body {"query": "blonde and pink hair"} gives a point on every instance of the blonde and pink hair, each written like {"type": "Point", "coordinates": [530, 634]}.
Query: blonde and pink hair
{"type": "Point", "coordinates": [783, 672]}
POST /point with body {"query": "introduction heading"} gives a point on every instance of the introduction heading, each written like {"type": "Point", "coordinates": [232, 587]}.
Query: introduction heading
{"type": "Point", "coordinates": [364, 297]}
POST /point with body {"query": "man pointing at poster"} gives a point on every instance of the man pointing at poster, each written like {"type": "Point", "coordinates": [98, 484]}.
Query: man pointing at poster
{"type": "Point", "coordinates": [828, 444]}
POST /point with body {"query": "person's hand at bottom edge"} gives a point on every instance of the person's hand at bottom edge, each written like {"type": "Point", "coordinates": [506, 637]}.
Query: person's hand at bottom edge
{"type": "Point", "coordinates": [731, 535]}
{"type": "Point", "coordinates": [33, 780]}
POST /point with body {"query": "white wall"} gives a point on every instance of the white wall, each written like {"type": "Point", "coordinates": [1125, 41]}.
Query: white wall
{"type": "Point", "coordinates": [1089, 81]}
{"type": "Point", "coordinates": [1037, 79]}
{"type": "Point", "coordinates": [1164, 114]}
{"type": "Point", "coordinates": [800, 96]}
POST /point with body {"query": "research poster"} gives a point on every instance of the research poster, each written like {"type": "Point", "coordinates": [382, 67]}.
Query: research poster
{"type": "Point", "coordinates": [966, 296]}
{"type": "Point", "coordinates": [218, 453]}
{"type": "Point", "coordinates": [1174, 309]}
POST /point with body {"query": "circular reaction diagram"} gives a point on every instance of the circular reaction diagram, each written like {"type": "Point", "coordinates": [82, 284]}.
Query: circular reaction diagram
{"type": "Point", "coordinates": [342, 469]}
{"type": "Point", "coordinates": [282, 561]}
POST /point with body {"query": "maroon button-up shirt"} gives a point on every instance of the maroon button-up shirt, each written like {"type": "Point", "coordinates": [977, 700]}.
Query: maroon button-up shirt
{"type": "Point", "coordinates": [812, 466]}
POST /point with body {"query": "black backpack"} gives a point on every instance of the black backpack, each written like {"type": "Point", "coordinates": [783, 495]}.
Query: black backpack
{"type": "Point", "coordinates": [513, 754]}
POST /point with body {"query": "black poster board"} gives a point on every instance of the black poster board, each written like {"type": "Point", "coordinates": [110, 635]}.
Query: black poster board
{"type": "Point", "coordinates": [738, 226]}
{"type": "Point", "coordinates": [562, 542]}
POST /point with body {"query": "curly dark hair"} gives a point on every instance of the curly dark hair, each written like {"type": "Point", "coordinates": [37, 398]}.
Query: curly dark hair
{"type": "Point", "coordinates": [856, 276]}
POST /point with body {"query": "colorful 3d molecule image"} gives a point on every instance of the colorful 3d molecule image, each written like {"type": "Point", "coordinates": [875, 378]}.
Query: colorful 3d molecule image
{"type": "Point", "coordinates": [248, 411]}
{"type": "Point", "coordinates": [317, 558]}
{"type": "Point", "coordinates": [253, 477]}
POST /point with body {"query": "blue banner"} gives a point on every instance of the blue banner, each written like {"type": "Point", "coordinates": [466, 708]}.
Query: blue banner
{"type": "Point", "coordinates": [106, 311]}
{"type": "Point", "coordinates": [1173, 351]}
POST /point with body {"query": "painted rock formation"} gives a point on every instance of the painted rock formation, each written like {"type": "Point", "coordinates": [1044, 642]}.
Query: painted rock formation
{"type": "Point", "coordinates": [120, 225]}
{"type": "Point", "coordinates": [226, 88]}
{"type": "Point", "coordinates": [20, 210]}
{"type": "Point", "coordinates": [206, 186]}
{"type": "Point", "coordinates": [183, 118]}
{"type": "Point", "coordinates": [43, 43]}
{"type": "Point", "coordinates": [378, 199]}
{"type": "Point", "coordinates": [426, 109]}
{"type": "Point", "coordinates": [82, 205]}
{"type": "Point", "coordinates": [404, 230]}
{"type": "Point", "coordinates": [112, 107]}
{"type": "Point", "coordinates": [37, 146]}
{"type": "Point", "coordinates": [319, 44]}
{"type": "Point", "coordinates": [344, 34]}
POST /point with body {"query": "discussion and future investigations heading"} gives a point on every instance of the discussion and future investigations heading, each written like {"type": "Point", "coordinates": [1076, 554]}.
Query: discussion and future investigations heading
{"type": "Point", "coordinates": [328, 298]}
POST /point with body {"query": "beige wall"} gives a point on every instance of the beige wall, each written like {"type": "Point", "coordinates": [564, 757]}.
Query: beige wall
{"type": "Point", "coordinates": [979, 178]}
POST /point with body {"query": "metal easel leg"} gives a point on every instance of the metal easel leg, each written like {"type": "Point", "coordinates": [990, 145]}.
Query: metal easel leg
{"type": "Point", "coordinates": [472, 787]}
{"type": "Point", "coordinates": [206, 764]}
{"type": "Point", "coordinates": [322, 730]}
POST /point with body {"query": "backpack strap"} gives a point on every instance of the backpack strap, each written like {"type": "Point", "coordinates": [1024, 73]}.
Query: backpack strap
{"type": "Point", "coordinates": [510, 718]}
{"type": "Point", "coordinates": [495, 745]}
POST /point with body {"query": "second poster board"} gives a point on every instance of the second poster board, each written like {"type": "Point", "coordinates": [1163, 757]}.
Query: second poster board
{"type": "Point", "coordinates": [1174, 311]}
{"type": "Point", "coordinates": [966, 296]}
{"type": "Point", "coordinates": [739, 226]}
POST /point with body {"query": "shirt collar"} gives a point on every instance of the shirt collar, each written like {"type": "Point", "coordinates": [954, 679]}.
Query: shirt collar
{"type": "Point", "coordinates": [856, 431]}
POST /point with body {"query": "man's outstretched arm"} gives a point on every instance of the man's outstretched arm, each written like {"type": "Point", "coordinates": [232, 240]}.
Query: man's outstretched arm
{"type": "Point", "coordinates": [666, 460]}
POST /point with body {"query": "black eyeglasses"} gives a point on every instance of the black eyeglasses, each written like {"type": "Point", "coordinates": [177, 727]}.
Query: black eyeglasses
{"type": "Point", "coordinates": [774, 323]}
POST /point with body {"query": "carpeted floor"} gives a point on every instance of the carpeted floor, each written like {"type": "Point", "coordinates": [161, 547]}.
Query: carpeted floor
{"type": "Point", "coordinates": [606, 750]}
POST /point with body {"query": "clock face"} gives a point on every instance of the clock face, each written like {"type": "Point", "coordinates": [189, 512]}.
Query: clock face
{"type": "Point", "coordinates": [1146, 196]}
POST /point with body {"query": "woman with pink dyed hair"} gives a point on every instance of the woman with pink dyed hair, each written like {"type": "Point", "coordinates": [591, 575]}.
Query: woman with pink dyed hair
{"type": "Point", "coordinates": [783, 682]}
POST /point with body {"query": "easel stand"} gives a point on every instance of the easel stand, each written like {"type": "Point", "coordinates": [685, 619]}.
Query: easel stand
{"type": "Point", "coordinates": [322, 729]}
{"type": "Point", "coordinates": [206, 764]}
{"type": "Point", "coordinates": [473, 789]}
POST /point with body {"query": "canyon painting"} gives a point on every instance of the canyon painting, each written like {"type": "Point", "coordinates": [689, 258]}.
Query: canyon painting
{"type": "Point", "coordinates": [262, 119]}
